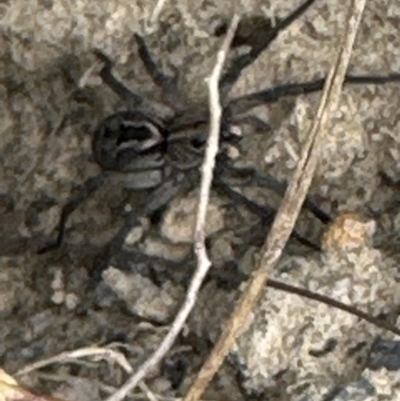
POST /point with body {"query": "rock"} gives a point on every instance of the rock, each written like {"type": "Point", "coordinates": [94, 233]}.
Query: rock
{"type": "Point", "coordinates": [179, 219]}
{"type": "Point", "coordinates": [294, 343]}
{"type": "Point", "coordinates": [11, 285]}
{"type": "Point", "coordinates": [160, 248]}
{"type": "Point", "coordinates": [134, 236]}
{"type": "Point", "coordinates": [76, 388]}
{"type": "Point", "coordinates": [221, 250]}
{"type": "Point", "coordinates": [213, 307]}
{"type": "Point", "coordinates": [142, 297]}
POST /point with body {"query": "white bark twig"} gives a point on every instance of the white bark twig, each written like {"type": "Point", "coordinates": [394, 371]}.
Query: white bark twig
{"type": "Point", "coordinates": [156, 11]}
{"type": "Point", "coordinates": [71, 356]}
{"type": "Point", "coordinates": [212, 147]}
{"type": "Point", "coordinates": [106, 353]}
{"type": "Point", "coordinates": [203, 262]}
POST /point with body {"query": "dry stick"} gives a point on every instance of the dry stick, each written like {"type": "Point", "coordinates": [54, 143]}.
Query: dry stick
{"type": "Point", "coordinates": [288, 211]}
{"type": "Point", "coordinates": [156, 11]}
{"type": "Point", "coordinates": [71, 356]}
{"type": "Point", "coordinates": [94, 351]}
{"type": "Point", "coordinates": [203, 262]}
{"type": "Point", "coordinates": [303, 292]}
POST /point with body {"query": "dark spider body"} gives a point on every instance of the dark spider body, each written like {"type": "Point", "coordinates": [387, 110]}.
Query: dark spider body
{"type": "Point", "coordinates": [153, 137]}
{"type": "Point", "coordinates": [129, 141]}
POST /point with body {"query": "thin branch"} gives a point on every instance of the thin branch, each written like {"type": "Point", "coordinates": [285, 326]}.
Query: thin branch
{"type": "Point", "coordinates": [203, 262]}
{"type": "Point", "coordinates": [106, 353]}
{"type": "Point", "coordinates": [303, 292]}
{"type": "Point", "coordinates": [156, 12]}
{"type": "Point", "coordinates": [289, 209]}
{"type": "Point", "coordinates": [71, 356]}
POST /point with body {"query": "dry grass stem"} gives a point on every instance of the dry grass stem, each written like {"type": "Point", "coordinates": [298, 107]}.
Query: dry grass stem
{"type": "Point", "coordinates": [203, 262]}
{"type": "Point", "coordinates": [156, 11]}
{"type": "Point", "coordinates": [71, 356]}
{"type": "Point", "coordinates": [97, 353]}
{"type": "Point", "coordinates": [289, 209]}
{"type": "Point", "coordinates": [303, 292]}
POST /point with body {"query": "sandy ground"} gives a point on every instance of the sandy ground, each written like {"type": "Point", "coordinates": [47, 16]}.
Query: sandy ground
{"type": "Point", "coordinates": [45, 148]}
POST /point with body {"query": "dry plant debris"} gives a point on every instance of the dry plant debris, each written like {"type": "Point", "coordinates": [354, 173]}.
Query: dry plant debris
{"type": "Point", "coordinates": [11, 391]}
{"type": "Point", "coordinates": [288, 211]}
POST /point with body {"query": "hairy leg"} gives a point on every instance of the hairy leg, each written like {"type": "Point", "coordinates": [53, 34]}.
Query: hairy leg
{"type": "Point", "coordinates": [241, 62]}
{"type": "Point", "coordinates": [112, 82]}
{"type": "Point", "coordinates": [157, 199]}
{"type": "Point", "coordinates": [247, 102]}
{"type": "Point", "coordinates": [249, 176]}
{"type": "Point", "coordinates": [266, 213]}
{"type": "Point", "coordinates": [87, 189]}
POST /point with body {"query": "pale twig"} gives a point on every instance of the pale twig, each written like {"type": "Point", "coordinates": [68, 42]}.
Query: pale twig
{"type": "Point", "coordinates": [203, 262]}
{"type": "Point", "coordinates": [96, 352]}
{"type": "Point", "coordinates": [289, 209]}
{"type": "Point", "coordinates": [72, 356]}
{"type": "Point", "coordinates": [89, 75]}
{"type": "Point", "coordinates": [156, 11]}
{"type": "Point", "coordinates": [146, 390]}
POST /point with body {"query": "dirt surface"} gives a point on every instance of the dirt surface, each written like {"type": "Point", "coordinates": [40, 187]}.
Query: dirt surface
{"type": "Point", "coordinates": [51, 102]}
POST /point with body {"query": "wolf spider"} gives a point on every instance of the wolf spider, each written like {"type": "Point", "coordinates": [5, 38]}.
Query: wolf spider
{"type": "Point", "coordinates": [154, 138]}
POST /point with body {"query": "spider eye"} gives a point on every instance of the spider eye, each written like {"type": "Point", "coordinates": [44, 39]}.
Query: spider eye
{"type": "Point", "coordinates": [197, 142]}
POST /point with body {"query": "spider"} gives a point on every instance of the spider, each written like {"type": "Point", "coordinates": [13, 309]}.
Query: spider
{"type": "Point", "coordinates": [154, 138]}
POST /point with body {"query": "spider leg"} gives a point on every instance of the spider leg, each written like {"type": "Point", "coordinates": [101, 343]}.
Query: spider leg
{"type": "Point", "coordinates": [135, 101]}
{"type": "Point", "coordinates": [112, 82]}
{"type": "Point", "coordinates": [168, 84]}
{"type": "Point", "coordinates": [244, 103]}
{"type": "Point", "coordinates": [252, 120]}
{"type": "Point", "coordinates": [267, 214]}
{"type": "Point", "coordinates": [88, 188]}
{"type": "Point", "coordinates": [156, 200]}
{"type": "Point", "coordinates": [241, 62]}
{"type": "Point", "coordinates": [165, 82]}
{"type": "Point", "coordinates": [135, 261]}
{"type": "Point", "coordinates": [250, 176]}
